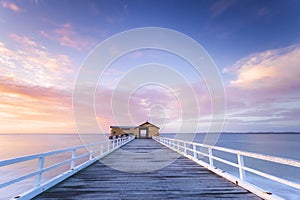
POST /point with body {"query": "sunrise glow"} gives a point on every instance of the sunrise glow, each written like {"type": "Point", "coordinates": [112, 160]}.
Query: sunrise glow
{"type": "Point", "coordinates": [44, 43]}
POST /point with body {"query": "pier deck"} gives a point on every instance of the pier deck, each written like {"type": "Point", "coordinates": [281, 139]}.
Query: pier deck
{"type": "Point", "coordinates": [182, 179]}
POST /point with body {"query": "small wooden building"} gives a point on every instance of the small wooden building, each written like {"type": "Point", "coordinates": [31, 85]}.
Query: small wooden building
{"type": "Point", "coordinates": [145, 130]}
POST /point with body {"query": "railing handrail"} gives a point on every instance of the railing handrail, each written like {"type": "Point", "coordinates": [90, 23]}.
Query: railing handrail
{"type": "Point", "coordinates": [276, 159]}
{"type": "Point", "coordinates": [182, 147]}
{"type": "Point", "coordinates": [110, 145]}
{"type": "Point", "coordinates": [50, 153]}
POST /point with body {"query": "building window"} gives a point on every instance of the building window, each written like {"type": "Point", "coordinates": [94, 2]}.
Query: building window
{"type": "Point", "coordinates": [114, 132]}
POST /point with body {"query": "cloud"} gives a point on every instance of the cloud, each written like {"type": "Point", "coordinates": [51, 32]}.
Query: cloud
{"type": "Point", "coordinates": [23, 40]}
{"type": "Point", "coordinates": [265, 88]}
{"type": "Point", "coordinates": [221, 6]}
{"type": "Point", "coordinates": [35, 87]}
{"type": "Point", "coordinates": [124, 109]}
{"type": "Point", "coordinates": [168, 108]}
{"type": "Point", "coordinates": [34, 109]}
{"type": "Point", "coordinates": [32, 64]}
{"type": "Point", "coordinates": [272, 70]}
{"type": "Point", "coordinates": [118, 15]}
{"type": "Point", "coordinates": [66, 36]}
{"type": "Point", "coordinates": [36, 93]}
{"type": "Point", "coordinates": [11, 6]}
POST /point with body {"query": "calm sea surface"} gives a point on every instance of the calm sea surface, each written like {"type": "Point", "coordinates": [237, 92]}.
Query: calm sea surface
{"type": "Point", "coordinates": [282, 145]}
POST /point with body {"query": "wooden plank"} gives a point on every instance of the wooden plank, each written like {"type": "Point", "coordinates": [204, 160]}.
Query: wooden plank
{"type": "Point", "coordinates": [182, 179]}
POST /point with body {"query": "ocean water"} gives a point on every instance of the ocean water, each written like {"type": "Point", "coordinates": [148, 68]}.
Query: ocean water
{"type": "Point", "coordinates": [282, 145]}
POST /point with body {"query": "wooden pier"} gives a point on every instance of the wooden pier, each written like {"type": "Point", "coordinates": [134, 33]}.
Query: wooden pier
{"type": "Point", "coordinates": [183, 179]}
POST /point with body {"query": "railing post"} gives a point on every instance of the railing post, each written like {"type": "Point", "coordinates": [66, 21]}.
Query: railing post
{"type": "Point", "coordinates": [91, 152]}
{"type": "Point", "coordinates": [241, 165]}
{"type": "Point", "coordinates": [40, 168]}
{"type": "Point", "coordinates": [101, 149]}
{"type": "Point", "coordinates": [210, 156]}
{"type": "Point", "coordinates": [194, 151]}
{"type": "Point", "coordinates": [185, 151]}
{"type": "Point", "coordinates": [72, 166]}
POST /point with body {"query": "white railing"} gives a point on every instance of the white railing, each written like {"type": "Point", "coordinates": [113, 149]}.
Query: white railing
{"type": "Point", "coordinates": [194, 150]}
{"type": "Point", "coordinates": [95, 152]}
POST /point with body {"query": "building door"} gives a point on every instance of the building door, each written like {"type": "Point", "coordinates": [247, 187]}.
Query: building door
{"type": "Point", "coordinates": [143, 133]}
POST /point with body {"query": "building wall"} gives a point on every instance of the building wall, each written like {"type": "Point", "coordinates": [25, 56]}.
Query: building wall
{"type": "Point", "coordinates": [136, 133]}
{"type": "Point", "coordinates": [119, 131]}
{"type": "Point", "coordinates": [128, 130]}
{"type": "Point", "coordinates": [152, 131]}
{"type": "Point", "coordinates": [115, 131]}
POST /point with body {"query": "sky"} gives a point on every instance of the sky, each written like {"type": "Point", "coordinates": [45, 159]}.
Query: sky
{"type": "Point", "coordinates": [255, 45]}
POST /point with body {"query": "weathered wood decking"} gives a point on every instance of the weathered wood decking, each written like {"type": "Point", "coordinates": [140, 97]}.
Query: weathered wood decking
{"type": "Point", "coordinates": [183, 179]}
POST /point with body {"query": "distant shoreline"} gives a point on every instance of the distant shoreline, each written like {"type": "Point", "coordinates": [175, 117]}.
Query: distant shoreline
{"type": "Point", "coordinates": [262, 133]}
{"type": "Point", "coordinates": [244, 133]}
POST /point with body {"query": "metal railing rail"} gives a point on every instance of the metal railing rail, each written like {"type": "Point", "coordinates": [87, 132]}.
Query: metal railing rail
{"type": "Point", "coordinates": [185, 147]}
{"type": "Point", "coordinates": [104, 148]}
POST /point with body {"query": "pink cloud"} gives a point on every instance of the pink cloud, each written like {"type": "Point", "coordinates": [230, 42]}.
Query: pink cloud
{"type": "Point", "coordinates": [260, 93]}
{"type": "Point", "coordinates": [11, 6]}
{"type": "Point", "coordinates": [154, 103]}
{"type": "Point", "coordinates": [272, 70]}
{"type": "Point", "coordinates": [26, 109]}
{"type": "Point", "coordinates": [33, 64]}
{"type": "Point", "coordinates": [160, 107]}
{"type": "Point", "coordinates": [66, 36]}
{"type": "Point", "coordinates": [23, 40]}
{"type": "Point", "coordinates": [34, 89]}
{"type": "Point", "coordinates": [265, 88]}
{"type": "Point", "coordinates": [8, 86]}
